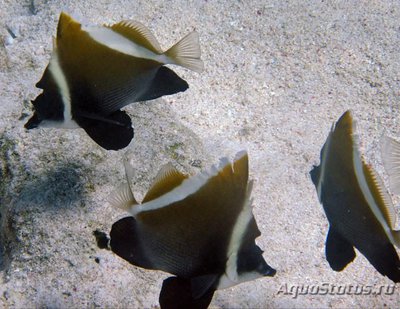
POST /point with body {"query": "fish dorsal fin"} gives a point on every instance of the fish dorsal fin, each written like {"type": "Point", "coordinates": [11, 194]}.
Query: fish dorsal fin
{"type": "Point", "coordinates": [66, 24]}
{"type": "Point", "coordinates": [380, 195]}
{"type": "Point", "coordinates": [167, 179]}
{"type": "Point", "coordinates": [390, 150]}
{"type": "Point", "coordinates": [137, 33]}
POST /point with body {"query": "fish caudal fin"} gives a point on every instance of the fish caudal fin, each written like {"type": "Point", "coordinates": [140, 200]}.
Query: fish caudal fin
{"type": "Point", "coordinates": [390, 150]}
{"type": "Point", "coordinates": [122, 197]}
{"type": "Point", "coordinates": [186, 53]}
{"type": "Point", "coordinates": [176, 293]}
{"type": "Point", "coordinates": [339, 252]}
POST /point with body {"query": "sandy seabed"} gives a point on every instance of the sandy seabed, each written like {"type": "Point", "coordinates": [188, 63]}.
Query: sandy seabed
{"type": "Point", "coordinates": [277, 75]}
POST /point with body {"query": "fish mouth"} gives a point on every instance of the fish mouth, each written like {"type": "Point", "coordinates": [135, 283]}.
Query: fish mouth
{"type": "Point", "coordinates": [33, 122]}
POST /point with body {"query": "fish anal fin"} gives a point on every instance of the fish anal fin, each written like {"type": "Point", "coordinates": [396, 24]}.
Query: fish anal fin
{"type": "Point", "coordinates": [176, 293]}
{"type": "Point", "coordinates": [122, 197]}
{"type": "Point", "coordinates": [138, 33]}
{"type": "Point", "coordinates": [381, 196]}
{"type": "Point", "coordinates": [390, 150]}
{"type": "Point", "coordinates": [202, 284]}
{"type": "Point", "coordinates": [167, 179]}
{"type": "Point", "coordinates": [113, 132]}
{"type": "Point", "coordinates": [339, 252]}
{"type": "Point", "coordinates": [187, 53]}
{"type": "Point", "coordinates": [384, 258]}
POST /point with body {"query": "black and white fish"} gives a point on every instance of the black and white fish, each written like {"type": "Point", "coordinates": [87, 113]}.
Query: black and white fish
{"type": "Point", "coordinates": [94, 71]}
{"type": "Point", "coordinates": [356, 204]}
{"type": "Point", "coordinates": [200, 229]}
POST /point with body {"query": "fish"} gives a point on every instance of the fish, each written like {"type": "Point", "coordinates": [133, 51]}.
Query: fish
{"type": "Point", "coordinates": [357, 205]}
{"type": "Point", "coordinates": [390, 152]}
{"type": "Point", "coordinates": [198, 228]}
{"type": "Point", "coordinates": [94, 71]}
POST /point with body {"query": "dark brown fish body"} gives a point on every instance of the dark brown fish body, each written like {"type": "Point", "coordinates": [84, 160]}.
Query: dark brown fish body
{"type": "Point", "coordinates": [200, 229]}
{"type": "Point", "coordinates": [95, 71]}
{"type": "Point", "coordinates": [354, 204]}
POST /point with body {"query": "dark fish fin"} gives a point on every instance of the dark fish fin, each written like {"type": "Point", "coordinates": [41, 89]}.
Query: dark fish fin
{"type": "Point", "coordinates": [176, 293]}
{"type": "Point", "coordinates": [384, 258]}
{"type": "Point", "coordinates": [33, 122]}
{"type": "Point", "coordinates": [202, 284]}
{"type": "Point", "coordinates": [113, 132]}
{"type": "Point", "coordinates": [314, 173]}
{"type": "Point", "coordinates": [250, 256]}
{"type": "Point", "coordinates": [125, 243]}
{"type": "Point", "coordinates": [165, 82]}
{"type": "Point", "coordinates": [339, 252]}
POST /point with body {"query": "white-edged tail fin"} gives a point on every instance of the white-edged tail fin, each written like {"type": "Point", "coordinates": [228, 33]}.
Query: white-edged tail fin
{"type": "Point", "coordinates": [122, 197]}
{"type": "Point", "coordinates": [187, 53]}
{"type": "Point", "coordinates": [390, 150]}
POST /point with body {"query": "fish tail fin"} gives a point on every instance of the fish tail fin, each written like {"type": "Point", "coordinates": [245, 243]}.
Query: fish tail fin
{"type": "Point", "coordinates": [186, 53]}
{"type": "Point", "coordinates": [122, 198]}
{"type": "Point", "coordinates": [390, 149]}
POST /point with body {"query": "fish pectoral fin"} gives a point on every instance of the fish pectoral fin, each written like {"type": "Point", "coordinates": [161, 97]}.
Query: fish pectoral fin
{"type": "Point", "coordinates": [339, 252]}
{"type": "Point", "coordinates": [166, 82]}
{"type": "Point", "coordinates": [176, 293]}
{"type": "Point", "coordinates": [203, 284]}
{"type": "Point", "coordinates": [187, 53]}
{"type": "Point", "coordinates": [112, 132]}
{"type": "Point", "coordinates": [122, 197]}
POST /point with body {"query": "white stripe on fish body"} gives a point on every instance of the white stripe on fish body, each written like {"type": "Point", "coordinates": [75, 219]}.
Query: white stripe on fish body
{"type": "Point", "coordinates": [61, 82]}
{"type": "Point", "coordinates": [231, 276]}
{"type": "Point", "coordinates": [368, 196]}
{"type": "Point", "coordinates": [118, 42]}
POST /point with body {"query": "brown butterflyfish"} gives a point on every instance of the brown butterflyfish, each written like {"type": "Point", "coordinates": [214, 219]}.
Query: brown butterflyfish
{"type": "Point", "coordinates": [358, 207]}
{"type": "Point", "coordinates": [200, 228]}
{"type": "Point", "coordinates": [94, 71]}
